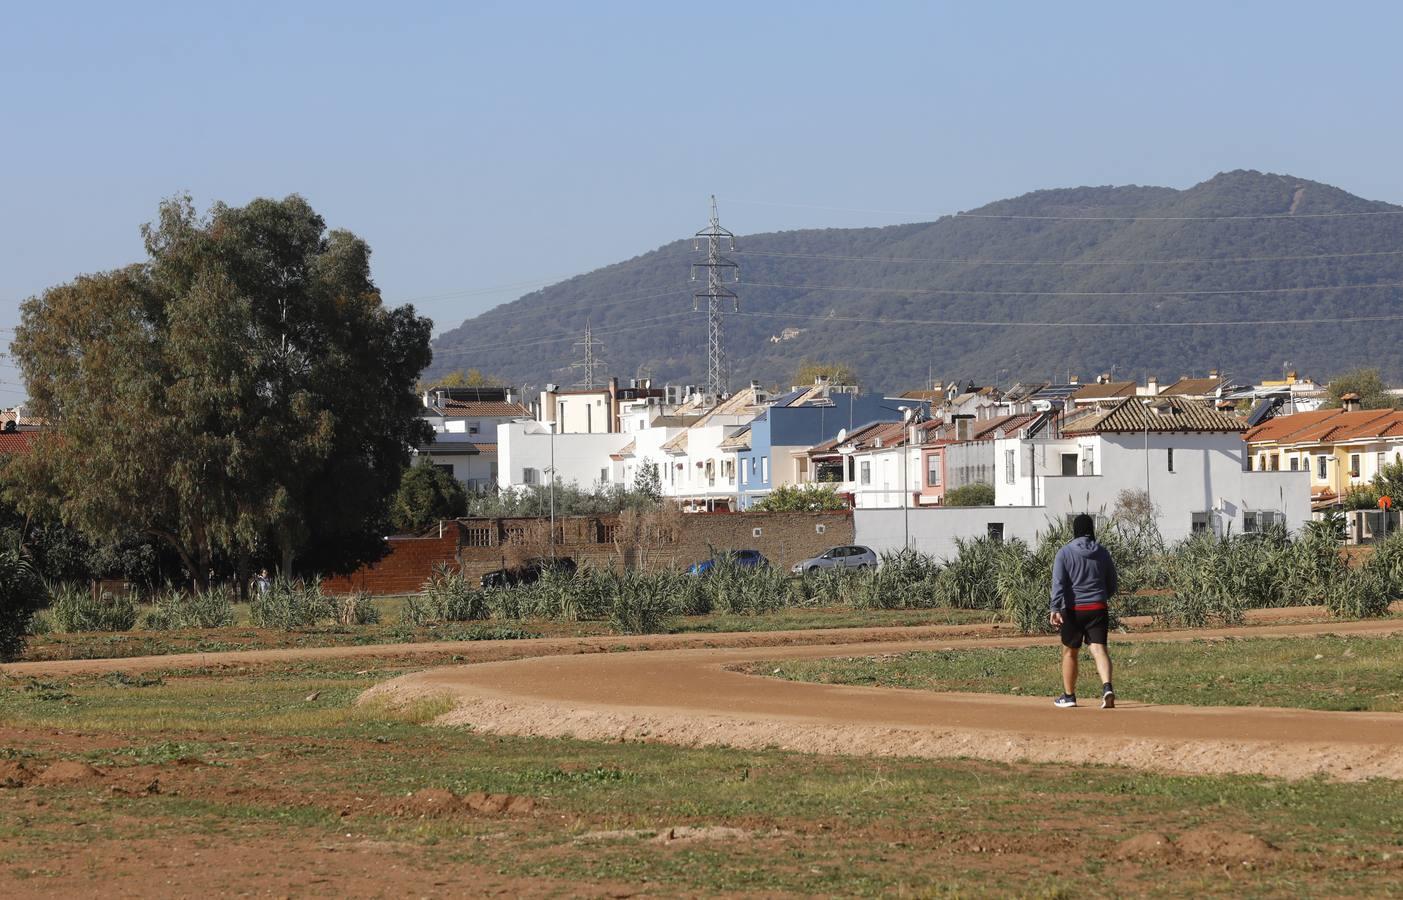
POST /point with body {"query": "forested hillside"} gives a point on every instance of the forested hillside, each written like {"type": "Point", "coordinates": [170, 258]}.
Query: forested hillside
{"type": "Point", "coordinates": [1084, 280]}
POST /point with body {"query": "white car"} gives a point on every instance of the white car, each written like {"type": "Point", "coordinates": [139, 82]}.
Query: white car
{"type": "Point", "coordinates": [845, 557]}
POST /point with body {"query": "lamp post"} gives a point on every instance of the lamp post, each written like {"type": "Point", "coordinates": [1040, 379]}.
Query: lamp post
{"type": "Point", "coordinates": [554, 420]}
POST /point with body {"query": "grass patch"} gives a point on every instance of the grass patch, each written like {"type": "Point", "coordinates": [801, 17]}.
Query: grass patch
{"type": "Point", "coordinates": [287, 751]}
{"type": "Point", "coordinates": [1329, 672]}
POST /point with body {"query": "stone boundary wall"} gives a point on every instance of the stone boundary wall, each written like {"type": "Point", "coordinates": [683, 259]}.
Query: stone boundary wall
{"type": "Point", "coordinates": [476, 546]}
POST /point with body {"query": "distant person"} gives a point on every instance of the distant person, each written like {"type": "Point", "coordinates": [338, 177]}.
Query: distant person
{"type": "Point", "coordinates": [1083, 583]}
{"type": "Point", "coordinates": [261, 582]}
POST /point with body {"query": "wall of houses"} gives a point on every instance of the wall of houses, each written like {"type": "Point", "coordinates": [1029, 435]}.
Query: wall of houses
{"type": "Point", "coordinates": [582, 459]}
{"type": "Point", "coordinates": [933, 530]}
{"type": "Point", "coordinates": [477, 546]}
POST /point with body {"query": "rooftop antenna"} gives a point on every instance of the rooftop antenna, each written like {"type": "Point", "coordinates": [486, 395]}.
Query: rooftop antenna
{"type": "Point", "coordinates": [716, 293]}
{"type": "Point", "coordinates": [591, 362]}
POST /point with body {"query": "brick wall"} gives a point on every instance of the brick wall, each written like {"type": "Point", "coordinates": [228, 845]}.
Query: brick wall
{"type": "Point", "coordinates": [481, 545]}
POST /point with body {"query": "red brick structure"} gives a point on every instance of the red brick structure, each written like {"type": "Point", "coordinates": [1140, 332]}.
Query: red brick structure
{"type": "Point", "coordinates": [476, 546]}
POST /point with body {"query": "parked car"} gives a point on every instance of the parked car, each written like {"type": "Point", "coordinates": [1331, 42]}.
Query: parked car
{"type": "Point", "coordinates": [529, 572]}
{"type": "Point", "coordinates": [839, 557]}
{"type": "Point", "coordinates": [741, 559]}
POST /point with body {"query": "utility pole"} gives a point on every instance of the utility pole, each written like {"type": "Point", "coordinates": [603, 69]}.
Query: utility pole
{"type": "Point", "coordinates": [591, 362]}
{"type": "Point", "coordinates": [715, 295]}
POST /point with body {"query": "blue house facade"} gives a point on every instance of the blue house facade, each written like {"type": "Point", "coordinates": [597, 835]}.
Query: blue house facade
{"type": "Point", "coordinates": [772, 453]}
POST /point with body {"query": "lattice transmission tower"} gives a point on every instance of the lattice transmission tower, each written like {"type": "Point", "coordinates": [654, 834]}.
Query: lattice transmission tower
{"type": "Point", "coordinates": [716, 296]}
{"type": "Point", "coordinates": [591, 363]}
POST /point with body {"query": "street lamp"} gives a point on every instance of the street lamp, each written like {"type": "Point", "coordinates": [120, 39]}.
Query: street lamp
{"type": "Point", "coordinates": [554, 420]}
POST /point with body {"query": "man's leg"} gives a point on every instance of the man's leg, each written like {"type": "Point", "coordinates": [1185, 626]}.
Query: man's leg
{"type": "Point", "coordinates": [1103, 661]}
{"type": "Point", "coordinates": [1069, 668]}
{"type": "Point", "coordinates": [1103, 668]}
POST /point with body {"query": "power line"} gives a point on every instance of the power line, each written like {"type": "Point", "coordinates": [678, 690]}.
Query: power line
{"type": "Point", "coordinates": [987, 293]}
{"type": "Point", "coordinates": [591, 363]}
{"type": "Point", "coordinates": [637, 325]}
{"type": "Point", "coordinates": [963, 215]}
{"type": "Point", "coordinates": [1008, 324]}
{"type": "Point", "coordinates": [971, 261]}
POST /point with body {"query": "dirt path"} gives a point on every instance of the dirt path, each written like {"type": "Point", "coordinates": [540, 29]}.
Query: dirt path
{"type": "Point", "coordinates": [691, 697]}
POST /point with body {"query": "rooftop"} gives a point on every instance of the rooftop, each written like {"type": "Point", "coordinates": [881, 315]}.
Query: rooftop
{"type": "Point", "coordinates": [1161, 415]}
{"type": "Point", "coordinates": [1329, 426]}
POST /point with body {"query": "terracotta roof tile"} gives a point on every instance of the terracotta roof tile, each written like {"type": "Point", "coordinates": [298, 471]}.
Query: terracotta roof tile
{"type": "Point", "coordinates": [1161, 415]}
{"type": "Point", "coordinates": [1327, 425]}
{"type": "Point", "coordinates": [483, 408]}
{"type": "Point", "coordinates": [16, 441]}
{"type": "Point", "coordinates": [1103, 391]}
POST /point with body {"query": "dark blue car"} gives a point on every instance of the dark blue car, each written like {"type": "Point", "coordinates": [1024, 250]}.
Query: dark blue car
{"type": "Point", "coordinates": [741, 559]}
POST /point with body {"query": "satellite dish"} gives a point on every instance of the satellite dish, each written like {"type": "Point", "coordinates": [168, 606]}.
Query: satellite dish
{"type": "Point", "coordinates": [842, 435]}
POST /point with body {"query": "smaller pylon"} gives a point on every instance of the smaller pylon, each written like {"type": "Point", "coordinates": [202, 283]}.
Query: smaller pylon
{"type": "Point", "coordinates": [591, 363]}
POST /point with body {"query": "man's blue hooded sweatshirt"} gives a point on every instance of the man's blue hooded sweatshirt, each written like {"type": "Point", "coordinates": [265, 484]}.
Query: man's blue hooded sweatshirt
{"type": "Point", "coordinates": [1083, 576]}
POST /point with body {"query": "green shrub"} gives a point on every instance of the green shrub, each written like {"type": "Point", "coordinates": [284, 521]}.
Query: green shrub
{"type": "Point", "coordinates": [74, 608]}
{"type": "Point", "coordinates": [290, 604]}
{"type": "Point", "coordinates": [967, 580]}
{"type": "Point", "coordinates": [1361, 593]}
{"type": "Point", "coordinates": [977, 494]}
{"type": "Point", "coordinates": [355, 609]}
{"type": "Point", "coordinates": [448, 596]}
{"type": "Point", "coordinates": [640, 607]}
{"type": "Point", "coordinates": [22, 592]}
{"type": "Point", "coordinates": [905, 579]}
{"type": "Point", "coordinates": [173, 608]}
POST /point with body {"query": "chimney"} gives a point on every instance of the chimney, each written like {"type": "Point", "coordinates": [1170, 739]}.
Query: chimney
{"type": "Point", "coordinates": [964, 428]}
{"type": "Point", "coordinates": [1152, 385]}
{"type": "Point", "coordinates": [1213, 373]}
{"type": "Point", "coordinates": [1074, 379]}
{"type": "Point", "coordinates": [1350, 402]}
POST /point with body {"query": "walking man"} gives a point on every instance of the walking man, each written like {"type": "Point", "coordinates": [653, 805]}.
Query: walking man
{"type": "Point", "coordinates": [1083, 583]}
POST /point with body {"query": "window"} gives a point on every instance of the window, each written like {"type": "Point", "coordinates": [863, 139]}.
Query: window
{"type": "Point", "coordinates": [933, 470]}
{"type": "Point", "coordinates": [474, 427]}
{"type": "Point", "coordinates": [1354, 465]}
{"type": "Point", "coordinates": [444, 467]}
{"type": "Point", "coordinates": [603, 476]}
{"type": "Point", "coordinates": [1088, 461]}
{"type": "Point", "coordinates": [764, 469]}
{"type": "Point", "coordinates": [852, 469]}
{"type": "Point", "coordinates": [996, 532]}
{"type": "Point", "coordinates": [589, 419]}
{"type": "Point", "coordinates": [866, 472]}
{"type": "Point", "coordinates": [530, 476]}
{"type": "Point", "coordinates": [1320, 466]}
{"type": "Point", "coordinates": [1295, 464]}
{"type": "Point", "coordinates": [744, 473]}
{"type": "Point", "coordinates": [1069, 464]}
{"type": "Point", "coordinates": [1276, 462]}
{"type": "Point", "coordinates": [1256, 521]}
{"type": "Point", "coordinates": [1379, 462]}
{"type": "Point", "coordinates": [1169, 458]}
{"type": "Point", "coordinates": [1202, 522]}
{"type": "Point", "coordinates": [1008, 467]}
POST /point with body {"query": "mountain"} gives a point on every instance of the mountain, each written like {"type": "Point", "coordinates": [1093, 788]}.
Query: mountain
{"type": "Point", "coordinates": [1041, 266]}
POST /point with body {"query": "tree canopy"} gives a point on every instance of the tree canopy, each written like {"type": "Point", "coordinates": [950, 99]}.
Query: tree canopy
{"type": "Point", "coordinates": [426, 494]}
{"type": "Point", "coordinates": [835, 372]}
{"type": "Point", "coordinates": [243, 391]}
{"type": "Point", "coordinates": [795, 498]}
{"type": "Point", "coordinates": [976, 494]}
{"type": "Point", "coordinates": [1367, 383]}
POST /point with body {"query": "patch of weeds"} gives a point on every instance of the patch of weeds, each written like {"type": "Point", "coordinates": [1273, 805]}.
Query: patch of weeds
{"type": "Point", "coordinates": [47, 691]}
{"type": "Point", "coordinates": [597, 775]}
{"type": "Point", "coordinates": [122, 679]}
{"type": "Point", "coordinates": [160, 754]}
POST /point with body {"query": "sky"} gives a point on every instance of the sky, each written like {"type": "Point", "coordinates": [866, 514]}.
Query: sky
{"type": "Point", "coordinates": [486, 149]}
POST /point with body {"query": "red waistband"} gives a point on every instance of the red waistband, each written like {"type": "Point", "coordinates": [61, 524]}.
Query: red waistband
{"type": "Point", "coordinates": [1089, 606]}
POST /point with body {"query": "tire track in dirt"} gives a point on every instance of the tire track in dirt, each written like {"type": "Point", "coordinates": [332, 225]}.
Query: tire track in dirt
{"type": "Point", "coordinates": [692, 697]}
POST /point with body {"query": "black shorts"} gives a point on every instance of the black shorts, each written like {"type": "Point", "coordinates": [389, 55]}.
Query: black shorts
{"type": "Point", "coordinates": [1089, 625]}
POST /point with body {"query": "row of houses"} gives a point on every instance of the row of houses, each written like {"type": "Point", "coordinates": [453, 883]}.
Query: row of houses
{"type": "Point", "coordinates": [1196, 446]}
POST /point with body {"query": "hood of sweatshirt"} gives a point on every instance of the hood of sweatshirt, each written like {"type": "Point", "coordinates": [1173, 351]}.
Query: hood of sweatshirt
{"type": "Point", "coordinates": [1083, 546]}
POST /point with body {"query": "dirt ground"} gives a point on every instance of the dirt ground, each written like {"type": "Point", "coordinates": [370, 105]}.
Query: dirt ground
{"type": "Point", "coordinates": [696, 698]}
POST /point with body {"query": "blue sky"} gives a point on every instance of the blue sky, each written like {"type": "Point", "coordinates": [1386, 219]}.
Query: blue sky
{"type": "Point", "coordinates": [487, 148]}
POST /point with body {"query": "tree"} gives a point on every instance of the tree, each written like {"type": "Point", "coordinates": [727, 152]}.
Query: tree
{"type": "Point", "coordinates": [426, 494]}
{"type": "Point", "coordinates": [977, 494]}
{"type": "Point", "coordinates": [836, 373]}
{"type": "Point", "coordinates": [792, 498]}
{"type": "Point", "coordinates": [1367, 383]}
{"type": "Point", "coordinates": [461, 378]}
{"type": "Point", "coordinates": [241, 391]}
{"type": "Point", "coordinates": [647, 482]}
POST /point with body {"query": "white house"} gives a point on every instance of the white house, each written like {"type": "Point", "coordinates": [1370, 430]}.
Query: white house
{"type": "Point", "coordinates": [465, 423]}
{"type": "Point", "coordinates": [1189, 458]}
{"type": "Point", "coordinates": [529, 452]}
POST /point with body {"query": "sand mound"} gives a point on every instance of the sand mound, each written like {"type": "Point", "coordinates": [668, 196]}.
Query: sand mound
{"type": "Point", "coordinates": [14, 774]}
{"type": "Point", "coordinates": [1225, 846]}
{"type": "Point", "coordinates": [69, 772]}
{"type": "Point", "coordinates": [438, 803]}
{"type": "Point", "coordinates": [1147, 845]}
{"type": "Point", "coordinates": [687, 834]}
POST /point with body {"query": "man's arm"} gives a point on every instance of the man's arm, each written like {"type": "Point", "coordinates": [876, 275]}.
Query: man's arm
{"type": "Point", "coordinates": [1112, 578]}
{"type": "Point", "coordinates": [1059, 583]}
